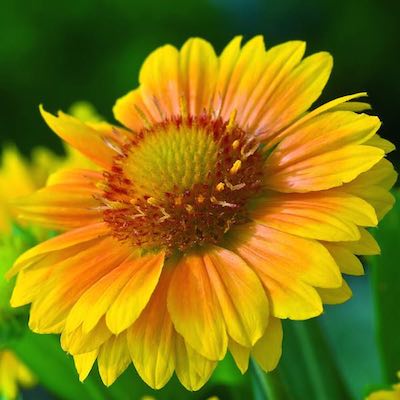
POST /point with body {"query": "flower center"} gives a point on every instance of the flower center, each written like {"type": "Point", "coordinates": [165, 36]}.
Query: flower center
{"type": "Point", "coordinates": [182, 183]}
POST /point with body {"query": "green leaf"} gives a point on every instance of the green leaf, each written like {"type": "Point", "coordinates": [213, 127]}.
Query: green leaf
{"type": "Point", "coordinates": [267, 386]}
{"type": "Point", "coordinates": [308, 364]}
{"type": "Point", "coordinates": [385, 273]}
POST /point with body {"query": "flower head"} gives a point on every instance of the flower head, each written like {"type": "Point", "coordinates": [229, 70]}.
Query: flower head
{"type": "Point", "coordinates": [390, 394]}
{"type": "Point", "coordinates": [220, 208]}
{"type": "Point", "coordinates": [13, 374]}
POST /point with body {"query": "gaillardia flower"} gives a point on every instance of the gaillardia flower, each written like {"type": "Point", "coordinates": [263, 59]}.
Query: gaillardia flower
{"type": "Point", "coordinates": [12, 375]}
{"type": "Point", "coordinates": [387, 394]}
{"type": "Point", "coordinates": [222, 207]}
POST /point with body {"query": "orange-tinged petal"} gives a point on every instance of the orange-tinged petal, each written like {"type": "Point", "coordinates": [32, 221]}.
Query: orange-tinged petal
{"type": "Point", "coordinates": [192, 369]}
{"type": "Point", "coordinates": [322, 171]}
{"type": "Point", "coordinates": [235, 80]}
{"type": "Point", "coordinates": [82, 136]}
{"type": "Point", "coordinates": [240, 354]}
{"type": "Point", "coordinates": [151, 339]}
{"type": "Point", "coordinates": [63, 205]}
{"type": "Point", "coordinates": [159, 81]}
{"type": "Point", "coordinates": [134, 296]}
{"type": "Point", "coordinates": [324, 133]}
{"type": "Point", "coordinates": [226, 67]}
{"type": "Point", "coordinates": [282, 252]}
{"type": "Point", "coordinates": [68, 241]}
{"type": "Point", "coordinates": [66, 281]}
{"type": "Point", "coordinates": [132, 111]}
{"type": "Point", "coordinates": [337, 295]}
{"type": "Point", "coordinates": [198, 67]}
{"type": "Point", "coordinates": [267, 351]}
{"type": "Point", "coordinates": [194, 308]}
{"type": "Point", "coordinates": [101, 296]}
{"type": "Point", "coordinates": [295, 94]}
{"type": "Point", "coordinates": [279, 62]}
{"type": "Point", "coordinates": [327, 107]}
{"type": "Point", "coordinates": [240, 295]}
{"type": "Point", "coordinates": [329, 215]}
{"type": "Point", "coordinates": [345, 259]}
{"type": "Point", "coordinates": [113, 358]}
{"type": "Point", "coordinates": [275, 257]}
{"type": "Point", "coordinates": [84, 363]}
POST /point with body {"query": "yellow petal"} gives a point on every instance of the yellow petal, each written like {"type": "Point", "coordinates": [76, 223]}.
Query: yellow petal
{"type": "Point", "coordinates": [337, 295]}
{"type": "Point", "coordinates": [134, 296]}
{"type": "Point", "coordinates": [192, 369]}
{"type": "Point", "coordinates": [84, 363]}
{"type": "Point", "coordinates": [267, 351]}
{"type": "Point", "coordinates": [345, 259]}
{"type": "Point", "coordinates": [366, 245]}
{"type": "Point", "coordinates": [113, 358]}
{"type": "Point", "coordinates": [240, 295]}
{"type": "Point", "coordinates": [240, 354]}
{"type": "Point", "coordinates": [194, 308]}
{"type": "Point", "coordinates": [159, 81]}
{"type": "Point", "coordinates": [382, 143]}
{"type": "Point", "coordinates": [151, 338]}
{"type": "Point", "coordinates": [354, 106]}
{"type": "Point", "coordinates": [79, 342]}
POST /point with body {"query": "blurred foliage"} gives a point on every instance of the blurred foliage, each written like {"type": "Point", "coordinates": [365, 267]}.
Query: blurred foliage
{"type": "Point", "coordinates": [93, 49]}
{"type": "Point", "coordinates": [386, 289]}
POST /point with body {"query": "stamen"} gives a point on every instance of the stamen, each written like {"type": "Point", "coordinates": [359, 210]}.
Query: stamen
{"type": "Point", "coordinates": [234, 187]}
{"type": "Point", "coordinates": [200, 198]}
{"type": "Point", "coordinates": [231, 122]}
{"type": "Point", "coordinates": [235, 144]}
{"type": "Point", "coordinates": [235, 167]}
{"type": "Point", "coordinates": [189, 208]}
{"type": "Point", "coordinates": [152, 201]}
{"type": "Point", "coordinates": [220, 187]}
{"type": "Point", "coordinates": [222, 203]}
{"type": "Point", "coordinates": [247, 153]}
{"type": "Point", "coordinates": [112, 145]}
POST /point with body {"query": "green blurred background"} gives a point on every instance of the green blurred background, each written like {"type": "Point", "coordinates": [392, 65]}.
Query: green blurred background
{"type": "Point", "coordinates": [58, 52]}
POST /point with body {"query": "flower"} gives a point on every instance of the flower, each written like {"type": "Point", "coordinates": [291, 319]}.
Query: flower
{"type": "Point", "coordinates": [13, 374]}
{"type": "Point", "coordinates": [222, 207]}
{"type": "Point", "coordinates": [18, 178]}
{"type": "Point", "coordinates": [393, 394]}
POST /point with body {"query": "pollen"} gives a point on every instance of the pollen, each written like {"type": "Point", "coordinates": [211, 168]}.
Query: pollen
{"type": "Point", "coordinates": [182, 183]}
